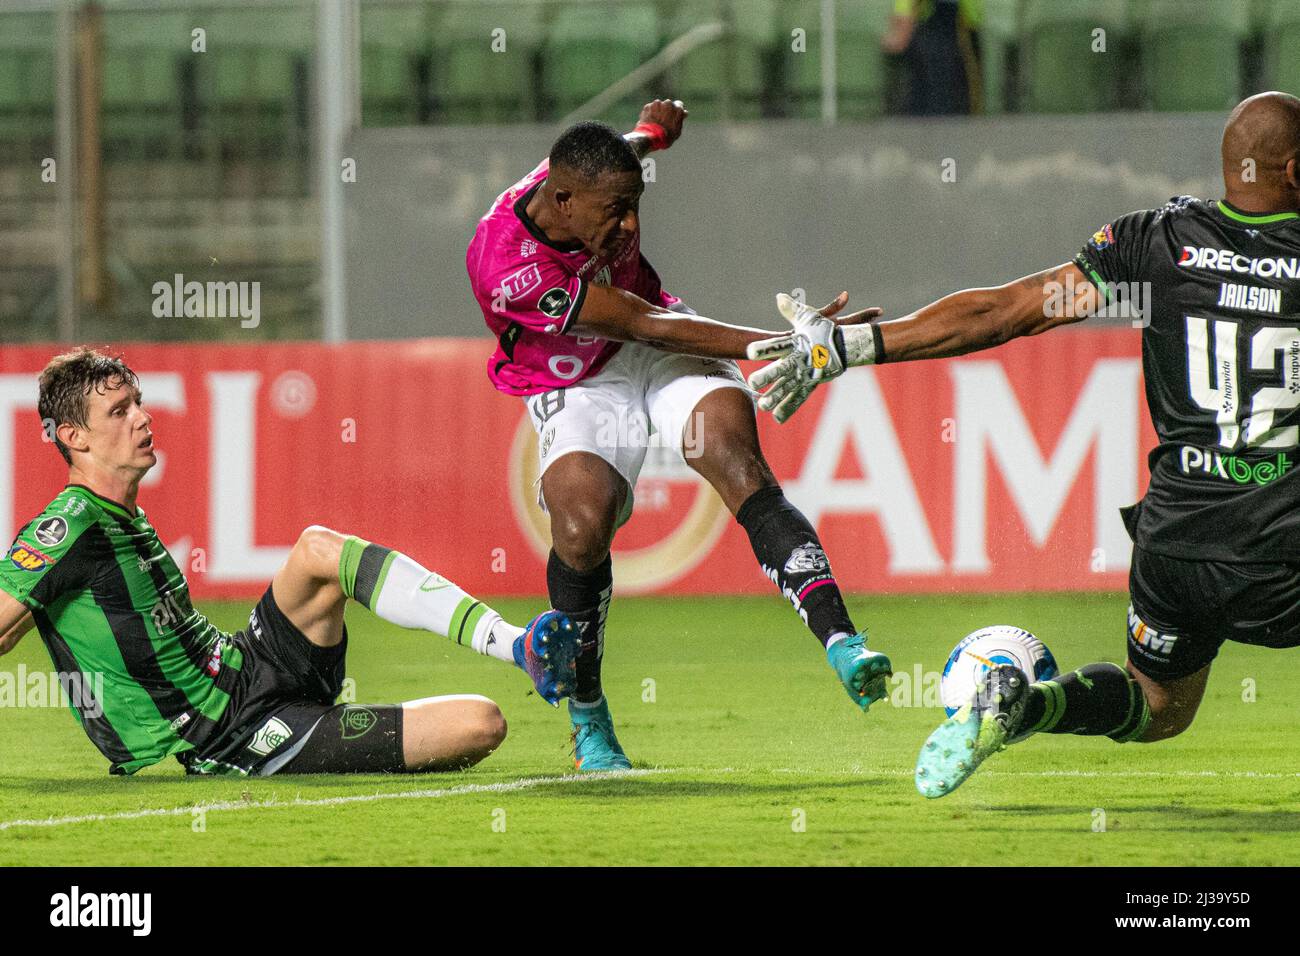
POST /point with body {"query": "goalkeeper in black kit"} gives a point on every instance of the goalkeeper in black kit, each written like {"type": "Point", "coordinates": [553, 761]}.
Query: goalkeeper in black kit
{"type": "Point", "coordinates": [1216, 538]}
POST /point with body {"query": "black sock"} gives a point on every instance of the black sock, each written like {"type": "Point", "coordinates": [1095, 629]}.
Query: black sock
{"type": "Point", "coordinates": [584, 596]}
{"type": "Point", "coordinates": [791, 555]}
{"type": "Point", "coordinates": [1097, 700]}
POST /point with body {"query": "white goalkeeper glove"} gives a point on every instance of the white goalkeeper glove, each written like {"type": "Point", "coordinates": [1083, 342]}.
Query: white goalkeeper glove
{"type": "Point", "coordinates": [813, 337]}
{"type": "Point", "coordinates": [816, 351]}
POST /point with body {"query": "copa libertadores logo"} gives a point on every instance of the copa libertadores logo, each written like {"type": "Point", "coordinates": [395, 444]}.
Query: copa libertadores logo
{"type": "Point", "coordinates": [75, 908]}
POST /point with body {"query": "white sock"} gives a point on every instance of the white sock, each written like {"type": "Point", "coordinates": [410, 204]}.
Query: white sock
{"type": "Point", "coordinates": [413, 596]}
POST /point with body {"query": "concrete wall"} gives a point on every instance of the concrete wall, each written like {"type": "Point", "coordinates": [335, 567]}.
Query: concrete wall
{"type": "Point", "coordinates": [738, 213]}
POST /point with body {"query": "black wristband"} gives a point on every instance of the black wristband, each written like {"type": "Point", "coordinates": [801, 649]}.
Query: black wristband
{"type": "Point", "coordinates": [878, 341]}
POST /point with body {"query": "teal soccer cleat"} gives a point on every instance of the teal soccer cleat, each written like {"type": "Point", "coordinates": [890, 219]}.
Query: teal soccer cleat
{"type": "Point", "coordinates": [864, 673]}
{"type": "Point", "coordinates": [594, 745]}
{"type": "Point", "coordinates": [988, 722]}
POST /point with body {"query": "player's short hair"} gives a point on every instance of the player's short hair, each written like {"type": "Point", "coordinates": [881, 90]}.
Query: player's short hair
{"type": "Point", "coordinates": [591, 149]}
{"type": "Point", "coordinates": [66, 383]}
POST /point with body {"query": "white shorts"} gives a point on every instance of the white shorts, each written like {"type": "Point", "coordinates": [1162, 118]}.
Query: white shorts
{"type": "Point", "coordinates": [643, 398]}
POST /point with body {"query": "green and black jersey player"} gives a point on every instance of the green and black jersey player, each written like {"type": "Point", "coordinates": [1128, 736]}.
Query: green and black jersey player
{"type": "Point", "coordinates": [149, 676]}
{"type": "Point", "coordinates": [1217, 536]}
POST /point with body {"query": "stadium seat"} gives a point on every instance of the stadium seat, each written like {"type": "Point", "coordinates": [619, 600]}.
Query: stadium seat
{"type": "Point", "coordinates": [255, 79]}
{"type": "Point", "coordinates": [1192, 53]}
{"type": "Point", "coordinates": [472, 82]}
{"type": "Point", "coordinates": [859, 60]}
{"type": "Point", "coordinates": [26, 86]}
{"type": "Point", "coordinates": [395, 54]}
{"type": "Point", "coordinates": [1282, 47]}
{"type": "Point", "coordinates": [592, 46]}
{"type": "Point", "coordinates": [725, 78]}
{"type": "Point", "coordinates": [144, 55]}
{"type": "Point", "coordinates": [997, 33]}
{"type": "Point", "coordinates": [1060, 71]}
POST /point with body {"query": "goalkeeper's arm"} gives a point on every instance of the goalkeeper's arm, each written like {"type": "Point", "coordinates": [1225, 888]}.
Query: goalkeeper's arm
{"type": "Point", "coordinates": [977, 319]}
{"type": "Point", "coordinates": [963, 322]}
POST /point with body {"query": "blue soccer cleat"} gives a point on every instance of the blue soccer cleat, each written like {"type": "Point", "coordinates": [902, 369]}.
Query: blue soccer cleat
{"type": "Point", "coordinates": [988, 722]}
{"type": "Point", "coordinates": [546, 652]}
{"type": "Point", "coordinates": [864, 673]}
{"type": "Point", "coordinates": [594, 745]}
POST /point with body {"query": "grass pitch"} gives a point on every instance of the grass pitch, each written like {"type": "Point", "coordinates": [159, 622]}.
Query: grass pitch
{"type": "Point", "coordinates": [747, 749]}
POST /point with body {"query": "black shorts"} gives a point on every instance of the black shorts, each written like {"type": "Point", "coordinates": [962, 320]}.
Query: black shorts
{"type": "Point", "coordinates": [1183, 610]}
{"type": "Point", "coordinates": [285, 686]}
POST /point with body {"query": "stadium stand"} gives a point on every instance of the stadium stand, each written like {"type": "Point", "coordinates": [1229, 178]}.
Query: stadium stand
{"type": "Point", "coordinates": [1062, 73]}
{"type": "Point", "coordinates": [479, 77]}
{"type": "Point", "coordinates": [586, 51]}
{"type": "Point", "coordinates": [859, 61]}
{"type": "Point", "coordinates": [727, 77]}
{"type": "Point", "coordinates": [1192, 53]}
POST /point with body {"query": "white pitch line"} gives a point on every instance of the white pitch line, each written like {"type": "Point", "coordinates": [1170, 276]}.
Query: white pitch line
{"type": "Point", "coordinates": [533, 782]}
{"type": "Point", "coordinates": [272, 804]}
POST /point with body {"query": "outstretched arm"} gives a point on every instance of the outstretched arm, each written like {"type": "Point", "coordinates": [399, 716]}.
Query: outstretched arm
{"type": "Point", "coordinates": [963, 322]}
{"type": "Point", "coordinates": [618, 314]}
{"type": "Point", "coordinates": [977, 319]}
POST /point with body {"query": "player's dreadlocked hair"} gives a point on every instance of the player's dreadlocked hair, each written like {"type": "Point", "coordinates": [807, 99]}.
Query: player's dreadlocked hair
{"type": "Point", "coordinates": [591, 149]}
{"type": "Point", "coordinates": [66, 383]}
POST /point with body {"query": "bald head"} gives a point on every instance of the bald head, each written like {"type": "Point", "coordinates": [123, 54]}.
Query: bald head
{"type": "Point", "coordinates": [1261, 153]}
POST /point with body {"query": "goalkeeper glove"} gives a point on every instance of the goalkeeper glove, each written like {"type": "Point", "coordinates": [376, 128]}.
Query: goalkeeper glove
{"type": "Point", "coordinates": [816, 351]}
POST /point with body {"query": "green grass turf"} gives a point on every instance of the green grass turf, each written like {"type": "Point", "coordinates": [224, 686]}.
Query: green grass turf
{"type": "Point", "coordinates": [748, 733]}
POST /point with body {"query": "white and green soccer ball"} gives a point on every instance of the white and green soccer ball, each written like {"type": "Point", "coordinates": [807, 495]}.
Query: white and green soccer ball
{"type": "Point", "coordinates": [986, 648]}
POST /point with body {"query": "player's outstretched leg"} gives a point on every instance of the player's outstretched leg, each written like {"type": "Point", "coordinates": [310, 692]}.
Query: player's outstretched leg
{"type": "Point", "coordinates": [1097, 700]}
{"type": "Point", "coordinates": [784, 542]}
{"type": "Point", "coordinates": [325, 568]}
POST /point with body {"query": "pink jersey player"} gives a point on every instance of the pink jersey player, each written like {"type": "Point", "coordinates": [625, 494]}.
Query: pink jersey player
{"type": "Point", "coordinates": [531, 290]}
{"type": "Point", "coordinates": [602, 358]}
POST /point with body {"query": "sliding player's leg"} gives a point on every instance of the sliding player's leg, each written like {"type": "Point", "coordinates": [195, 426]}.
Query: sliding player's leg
{"type": "Point", "coordinates": [325, 568]}
{"type": "Point", "coordinates": [720, 441]}
{"type": "Point", "coordinates": [1154, 698]}
{"type": "Point", "coordinates": [432, 734]}
{"type": "Point", "coordinates": [585, 497]}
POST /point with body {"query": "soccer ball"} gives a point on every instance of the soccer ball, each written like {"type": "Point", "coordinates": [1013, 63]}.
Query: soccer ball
{"type": "Point", "coordinates": [981, 650]}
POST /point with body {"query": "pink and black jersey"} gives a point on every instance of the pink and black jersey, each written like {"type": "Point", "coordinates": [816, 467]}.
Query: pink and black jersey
{"type": "Point", "coordinates": [531, 292]}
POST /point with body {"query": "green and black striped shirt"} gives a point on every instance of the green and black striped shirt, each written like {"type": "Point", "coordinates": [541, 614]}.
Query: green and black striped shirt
{"type": "Point", "coordinates": [114, 612]}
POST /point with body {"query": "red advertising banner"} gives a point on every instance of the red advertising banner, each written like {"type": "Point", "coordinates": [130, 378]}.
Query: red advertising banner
{"type": "Point", "coordinates": [999, 471]}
